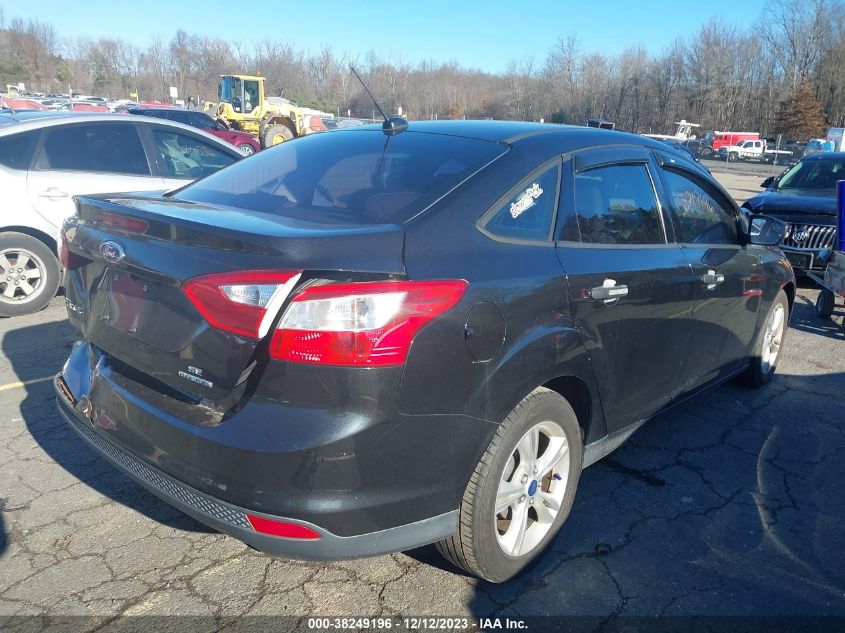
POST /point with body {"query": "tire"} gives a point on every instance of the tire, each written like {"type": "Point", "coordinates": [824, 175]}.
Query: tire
{"type": "Point", "coordinates": [479, 544]}
{"type": "Point", "coordinates": [825, 303]}
{"type": "Point", "coordinates": [762, 366]}
{"type": "Point", "coordinates": [732, 157]}
{"type": "Point", "coordinates": [29, 287]}
{"type": "Point", "coordinates": [246, 149]}
{"type": "Point", "coordinates": [707, 153]}
{"type": "Point", "coordinates": [277, 134]}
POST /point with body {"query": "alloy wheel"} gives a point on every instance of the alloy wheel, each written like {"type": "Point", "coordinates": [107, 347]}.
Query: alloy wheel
{"type": "Point", "coordinates": [772, 338]}
{"type": "Point", "coordinates": [531, 489]}
{"type": "Point", "coordinates": [21, 275]}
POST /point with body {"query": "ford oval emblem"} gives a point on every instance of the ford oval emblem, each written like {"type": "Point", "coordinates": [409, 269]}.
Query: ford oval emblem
{"type": "Point", "coordinates": [112, 251]}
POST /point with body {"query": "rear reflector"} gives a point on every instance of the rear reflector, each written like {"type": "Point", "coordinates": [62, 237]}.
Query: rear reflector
{"type": "Point", "coordinates": [368, 323]}
{"type": "Point", "coordinates": [242, 302]}
{"type": "Point", "coordinates": [281, 528]}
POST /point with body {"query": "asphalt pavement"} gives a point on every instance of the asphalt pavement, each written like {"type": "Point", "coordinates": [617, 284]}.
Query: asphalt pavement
{"type": "Point", "coordinates": [732, 504]}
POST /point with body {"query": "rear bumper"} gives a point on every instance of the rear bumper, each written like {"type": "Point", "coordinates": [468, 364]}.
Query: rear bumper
{"type": "Point", "coordinates": [232, 520]}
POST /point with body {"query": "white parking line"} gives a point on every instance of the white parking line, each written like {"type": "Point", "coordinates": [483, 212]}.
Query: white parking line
{"type": "Point", "coordinates": [15, 385]}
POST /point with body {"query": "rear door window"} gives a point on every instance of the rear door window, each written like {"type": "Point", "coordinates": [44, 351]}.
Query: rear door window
{"type": "Point", "coordinates": [94, 147]}
{"type": "Point", "coordinates": [528, 214]}
{"type": "Point", "coordinates": [616, 204]}
{"type": "Point", "coordinates": [187, 157]}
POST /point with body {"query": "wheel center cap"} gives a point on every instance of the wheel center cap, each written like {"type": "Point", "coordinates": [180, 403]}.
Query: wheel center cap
{"type": "Point", "coordinates": [532, 488]}
{"type": "Point", "coordinates": [15, 276]}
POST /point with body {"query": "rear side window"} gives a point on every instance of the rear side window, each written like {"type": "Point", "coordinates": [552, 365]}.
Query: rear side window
{"type": "Point", "coordinates": [528, 214]}
{"type": "Point", "coordinates": [355, 176]}
{"type": "Point", "coordinates": [98, 147]}
{"type": "Point", "coordinates": [158, 114]}
{"type": "Point", "coordinates": [700, 217]}
{"type": "Point", "coordinates": [180, 116]}
{"type": "Point", "coordinates": [201, 121]}
{"type": "Point", "coordinates": [186, 157]}
{"type": "Point", "coordinates": [16, 149]}
{"type": "Point", "coordinates": [616, 204]}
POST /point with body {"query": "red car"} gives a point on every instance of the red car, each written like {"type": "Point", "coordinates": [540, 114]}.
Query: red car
{"type": "Point", "coordinates": [246, 143]}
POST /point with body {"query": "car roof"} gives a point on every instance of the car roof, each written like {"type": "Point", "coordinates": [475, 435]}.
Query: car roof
{"type": "Point", "coordinates": [139, 110]}
{"type": "Point", "coordinates": [573, 136]}
{"type": "Point", "coordinates": [52, 119]}
{"type": "Point", "coordinates": [824, 156]}
{"type": "Point", "coordinates": [20, 115]}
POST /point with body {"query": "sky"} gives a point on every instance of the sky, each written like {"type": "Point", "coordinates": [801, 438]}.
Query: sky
{"type": "Point", "coordinates": [482, 35]}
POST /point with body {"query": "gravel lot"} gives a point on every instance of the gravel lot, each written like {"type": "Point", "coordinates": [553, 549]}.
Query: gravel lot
{"type": "Point", "coordinates": [730, 505]}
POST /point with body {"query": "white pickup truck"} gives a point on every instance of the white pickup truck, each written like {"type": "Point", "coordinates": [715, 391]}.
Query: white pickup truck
{"type": "Point", "coordinates": [754, 151]}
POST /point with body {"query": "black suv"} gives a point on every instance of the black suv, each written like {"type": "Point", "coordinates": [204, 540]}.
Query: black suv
{"type": "Point", "coordinates": [804, 196]}
{"type": "Point", "coordinates": [369, 340]}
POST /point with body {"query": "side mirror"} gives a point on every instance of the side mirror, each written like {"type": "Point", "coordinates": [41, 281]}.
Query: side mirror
{"type": "Point", "coordinates": [766, 231]}
{"type": "Point", "coordinates": [768, 181]}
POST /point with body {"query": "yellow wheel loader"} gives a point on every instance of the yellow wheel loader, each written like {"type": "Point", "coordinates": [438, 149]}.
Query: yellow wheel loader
{"type": "Point", "coordinates": [244, 106]}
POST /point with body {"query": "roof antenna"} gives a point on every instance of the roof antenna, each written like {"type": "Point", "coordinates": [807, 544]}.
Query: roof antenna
{"type": "Point", "coordinates": [392, 125]}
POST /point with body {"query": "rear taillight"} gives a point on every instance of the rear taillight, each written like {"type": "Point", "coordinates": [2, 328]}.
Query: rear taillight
{"type": "Point", "coordinates": [243, 302]}
{"type": "Point", "coordinates": [68, 258]}
{"type": "Point", "coordinates": [367, 323]}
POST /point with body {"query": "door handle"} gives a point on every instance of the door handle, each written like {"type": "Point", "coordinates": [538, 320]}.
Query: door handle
{"type": "Point", "coordinates": [610, 292]}
{"type": "Point", "coordinates": [711, 278]}
{"type": "Point", "coordinates": [52, 192]}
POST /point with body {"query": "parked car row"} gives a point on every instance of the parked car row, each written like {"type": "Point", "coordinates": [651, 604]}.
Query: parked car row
{"type": "Point", "coordinates": [246, 143]}
{"type": "Point", "coordinates": [372, 339]}
{"type": "Point", "coordinates": [47, 158]}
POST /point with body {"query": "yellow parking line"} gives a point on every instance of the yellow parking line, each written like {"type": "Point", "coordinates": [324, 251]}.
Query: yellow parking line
{"type": "Point", "coordinates": [15, 385]}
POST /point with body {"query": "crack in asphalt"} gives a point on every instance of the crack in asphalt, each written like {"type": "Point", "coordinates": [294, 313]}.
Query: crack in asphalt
{"type": "Point", "coordinates": [666, 481]}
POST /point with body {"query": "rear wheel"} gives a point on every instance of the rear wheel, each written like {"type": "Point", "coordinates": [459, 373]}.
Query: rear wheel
{"type": "Point", "coordinates": [29, 274]}
{"type": "Point", "coordinates": [521, 491]}
{"type": "Point", "coordinates": [769, 341]}
{"type": "Point", "coordinates": [276, 134]}
{"type": "Point", "coordinates": [825, 303]}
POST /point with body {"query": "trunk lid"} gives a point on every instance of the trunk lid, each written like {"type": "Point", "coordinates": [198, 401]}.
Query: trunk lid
{"type": "Point", "coordinates": [131, 255]}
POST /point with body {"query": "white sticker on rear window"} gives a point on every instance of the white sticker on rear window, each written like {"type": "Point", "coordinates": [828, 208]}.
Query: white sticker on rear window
{"type": "Point", "coordinates": [526, 200]}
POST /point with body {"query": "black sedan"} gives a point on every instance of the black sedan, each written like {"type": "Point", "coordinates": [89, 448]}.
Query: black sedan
{"type": "Point", "coordinates": [804, 196]}
{"type": "Point", "coordinates": [365, 341]}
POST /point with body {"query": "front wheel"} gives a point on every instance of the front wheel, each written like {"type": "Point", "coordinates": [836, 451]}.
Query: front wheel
{"type": "Point", "coordinates": [246, 149]}
{"type": "Point", "coordinates": [276, 134]}
{"type": "Point", "coordinates": [768, 344]}
{"type": "Point", "coordinates": [29, 274]}
{"type": "Point", "coordinates": [521, 491]}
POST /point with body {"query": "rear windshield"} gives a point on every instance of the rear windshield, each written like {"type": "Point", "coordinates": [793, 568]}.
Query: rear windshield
{"type": "Point", "coordinates": [816, 173]}
{"type": "Point", "coordinates": [355, 176]}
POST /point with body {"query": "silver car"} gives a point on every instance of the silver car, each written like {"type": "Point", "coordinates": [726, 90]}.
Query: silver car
{"type": "Point", "coordinates": [47, 158]}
